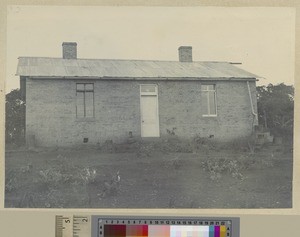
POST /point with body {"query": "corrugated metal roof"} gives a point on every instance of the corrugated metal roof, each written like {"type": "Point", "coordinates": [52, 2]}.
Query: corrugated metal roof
{"type": "Point", "coordinates": [111, 68]}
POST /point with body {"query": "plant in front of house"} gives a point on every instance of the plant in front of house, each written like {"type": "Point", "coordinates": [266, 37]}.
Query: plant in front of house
{"type": "Point", "coordinates": [15, 118]}
{"type": "Point", "coordinates": [88, 175]}
{"type": "Point", "coordinates": [217, 167]}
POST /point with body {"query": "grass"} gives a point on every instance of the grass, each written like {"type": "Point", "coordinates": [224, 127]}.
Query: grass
{"type": "Point", "coordinates": [152, 176]}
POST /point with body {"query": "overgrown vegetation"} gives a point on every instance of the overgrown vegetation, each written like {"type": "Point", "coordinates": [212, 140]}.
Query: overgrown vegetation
{"type": "Point", "coordinates": [174, 144]}
{"type": "Point", "coordinates": [219, 167]}
{"type": "Point", "coordinates": [14, 118]}
{"type": "Point", "coordinates": [275, 105]}
{"type": "Point", "coordinates": [235, 167]}
{"type": "Point", "coordinates": [91, 178]}
{"type": "Point", "coordinates": [45, 189]}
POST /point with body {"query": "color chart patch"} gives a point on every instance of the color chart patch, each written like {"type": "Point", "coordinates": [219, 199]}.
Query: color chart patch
{"type": "Point", "coordinates": [163, 228]}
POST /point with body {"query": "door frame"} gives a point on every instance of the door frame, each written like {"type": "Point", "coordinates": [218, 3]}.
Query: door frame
{"type": "Point", "coordinates": [149, 93]}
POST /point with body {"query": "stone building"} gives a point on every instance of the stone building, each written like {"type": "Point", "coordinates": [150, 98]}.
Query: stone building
{"type": "Point", "coordinates": [71, 101]}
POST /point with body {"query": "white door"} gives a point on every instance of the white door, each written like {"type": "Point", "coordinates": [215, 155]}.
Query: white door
{"type": "Point", "coordinates": [149, 113]}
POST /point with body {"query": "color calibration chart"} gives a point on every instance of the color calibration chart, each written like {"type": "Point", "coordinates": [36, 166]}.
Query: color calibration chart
{"type": "Point", "coordinates": [168, 227]}
{"type": "Point", "coordinates": [122, 226]}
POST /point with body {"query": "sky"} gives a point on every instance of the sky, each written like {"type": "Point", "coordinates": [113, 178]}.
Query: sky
{"type": "Point", "coordinates": [262, 39]}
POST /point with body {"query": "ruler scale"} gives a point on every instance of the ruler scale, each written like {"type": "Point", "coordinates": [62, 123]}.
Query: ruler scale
{"type": "Point", "coordinates": [59, 226]}
{"type": "Point", "coordinates": [63, 226]}
{"type": "Point", "coordinates": [122, 226]}
{"type": "Point", "coordinates": [81, 226]}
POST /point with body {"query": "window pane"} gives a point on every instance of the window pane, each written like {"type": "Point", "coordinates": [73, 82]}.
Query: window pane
{"type": "Point", "coordinates": [210, 87]}
{"type": "Point", "coordinates": [80, 104]}
{"type": "Point", "coordinates": [89, 87]}
{"type": "Point", "coordinates": [212, 103]}
{"type": "Point", "coordinates": [207, 87]}
{"type": "Point", "coordinates": [204, 87]}
{"type": "Point", "coordinates": [204, 103]}
{"type": "Point", "coordinates": [148, 88]}
{"type": "Point", "coordinates": [80, 87]}
{"type": "Point", "coordinates": [89, 104]}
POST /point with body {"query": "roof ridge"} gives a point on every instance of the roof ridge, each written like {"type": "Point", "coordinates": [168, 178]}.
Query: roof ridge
{"type": "Point", "coordinates": [108, 59]}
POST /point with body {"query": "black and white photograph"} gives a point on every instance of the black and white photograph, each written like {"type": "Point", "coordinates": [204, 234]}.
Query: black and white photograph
{"type": "Point", "coordinates": [149, 107]}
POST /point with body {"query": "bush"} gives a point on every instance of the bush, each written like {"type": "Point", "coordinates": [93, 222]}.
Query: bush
{"type": "Point", "coordinates": [50, 176]}
{"type": "Point", "coordinates": [217, 167]}
{"type": "Point", "coordinates": [275, 105]}
{"type": "Point", "coordinates": [15, 118]}
{"type": "Point", "coordinates": [66, 172]}
{"type": "Point", "coordinates": [88, 175]}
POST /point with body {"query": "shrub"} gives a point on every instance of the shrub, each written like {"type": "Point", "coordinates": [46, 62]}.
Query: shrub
{"type": "Point", "coordinates": [15, 118]}
{"type": "Point", "coordinates": [217, 167]}
{"type": "Point", "coordinates": [88, 175]}
{"type": "Point", "coordinates": [66, 172]}
{"type": "Point", "coordinates": [50, 176]}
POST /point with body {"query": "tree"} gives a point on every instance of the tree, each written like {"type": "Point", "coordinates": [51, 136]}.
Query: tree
{"type": "Point", "coordinates": [14, 118]}
{"type": "Point", "coordinates": [275, 104]}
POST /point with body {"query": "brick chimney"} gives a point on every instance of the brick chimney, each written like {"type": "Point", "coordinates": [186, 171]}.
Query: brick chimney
{"type": "Point", "coordinates": [185, 54]}
{"type": "Point", "coordinates": [69, 50]}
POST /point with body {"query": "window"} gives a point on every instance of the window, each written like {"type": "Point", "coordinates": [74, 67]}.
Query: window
{"type": "Point", "coordinates": [148, 89]}
{"type": "Point", "coordinates": [208, 94]}
{"type": "Point", "coordinates": [85, 100]}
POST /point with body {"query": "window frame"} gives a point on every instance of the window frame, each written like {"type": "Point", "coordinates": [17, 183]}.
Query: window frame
{"type": "Point", "coordinates": [148, 92]}
{"type": "Point", "coordinates": [84, 91]}
{"type": "Point", "coordinates": [208, 91]}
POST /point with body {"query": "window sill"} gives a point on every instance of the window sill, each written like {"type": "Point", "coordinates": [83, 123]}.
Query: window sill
{"type": "Point", "coordinates": [85, 120]}
{"type": "Point", "coordinates": [209, 116]}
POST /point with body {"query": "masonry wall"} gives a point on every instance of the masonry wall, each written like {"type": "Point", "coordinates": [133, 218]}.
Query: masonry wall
{"type": "Point", "coordinates": [51, 111]}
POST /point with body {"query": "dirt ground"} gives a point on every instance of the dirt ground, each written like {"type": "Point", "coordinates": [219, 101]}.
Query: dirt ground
{"type": "Point", "coordinates": [88, 178]}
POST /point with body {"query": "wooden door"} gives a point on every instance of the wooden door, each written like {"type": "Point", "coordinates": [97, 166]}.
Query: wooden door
{"type": "Point", "coordinates": [149, 111]}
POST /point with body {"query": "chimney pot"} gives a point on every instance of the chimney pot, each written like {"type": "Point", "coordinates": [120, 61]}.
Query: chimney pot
{"type": "Point", "coordinates": [185, 54]}
{"type": "Point", "coordinates": [69, 50]}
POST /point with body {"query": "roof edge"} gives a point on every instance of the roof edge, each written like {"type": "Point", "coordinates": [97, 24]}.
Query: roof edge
{"type": "Point", "coordinates": [145, 78]}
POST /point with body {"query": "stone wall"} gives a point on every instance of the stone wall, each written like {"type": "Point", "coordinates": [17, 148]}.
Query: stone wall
{"type": "Point", "coordinates": [51, 111]}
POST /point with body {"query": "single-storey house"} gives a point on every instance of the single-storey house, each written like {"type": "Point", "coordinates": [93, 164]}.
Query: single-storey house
{"type": "Point", "coordinates": [71, 101]}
